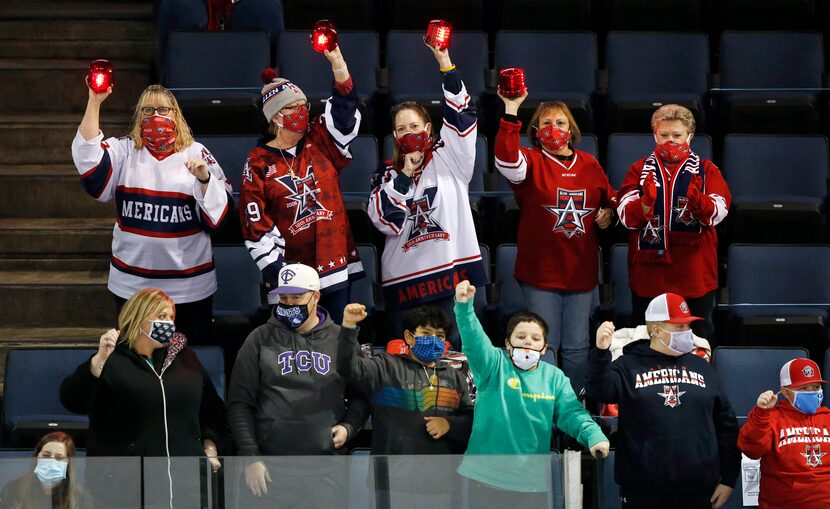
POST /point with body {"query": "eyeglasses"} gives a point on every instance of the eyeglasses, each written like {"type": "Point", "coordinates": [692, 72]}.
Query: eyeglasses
{"type": "Point", "coordinates": [294, 109]}
{"type": "Point", "coordinates": [162, 110]}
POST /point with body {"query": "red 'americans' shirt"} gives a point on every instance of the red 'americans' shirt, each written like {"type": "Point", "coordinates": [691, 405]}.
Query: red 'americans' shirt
{"type": "Point", "coordinates": [558, 202]}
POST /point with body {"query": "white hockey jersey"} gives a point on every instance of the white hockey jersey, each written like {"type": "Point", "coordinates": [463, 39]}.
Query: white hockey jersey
{"type": "Point", "coordinates": [160, 238]}
{"type": "Point", "coordinates": [431, 242]}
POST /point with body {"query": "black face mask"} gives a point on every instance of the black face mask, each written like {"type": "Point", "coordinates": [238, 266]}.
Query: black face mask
{"type": "Point", "coordinates": [292, 315]}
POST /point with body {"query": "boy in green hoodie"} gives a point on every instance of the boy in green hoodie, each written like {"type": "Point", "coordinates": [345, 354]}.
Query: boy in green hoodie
{"type": "Point", "coordinates": [519, 399]}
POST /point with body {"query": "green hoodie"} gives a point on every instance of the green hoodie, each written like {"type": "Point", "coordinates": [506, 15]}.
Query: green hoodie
{"type": "Point", "coordinates": [514, 413]}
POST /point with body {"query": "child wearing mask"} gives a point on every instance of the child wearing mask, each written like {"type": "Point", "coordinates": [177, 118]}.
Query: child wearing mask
{"type": "Point", "coordinates": [677, 432]}
{"type": "Point", "coordinates": [518, 401]}
{"type": "Point", "coordinates": [790, 437]}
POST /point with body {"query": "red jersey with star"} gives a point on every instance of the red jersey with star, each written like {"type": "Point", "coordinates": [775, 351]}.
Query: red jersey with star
{"type": "Point", "coordinates": [558, 202]}
{"type": "Point", "coordinates": [291, 208]}
{"type": "Point", "coordinates": [793, 448]}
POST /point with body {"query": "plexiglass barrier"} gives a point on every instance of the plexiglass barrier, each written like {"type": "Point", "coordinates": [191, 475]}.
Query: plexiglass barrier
{"type": "Point", "coordinates": [357, 481]}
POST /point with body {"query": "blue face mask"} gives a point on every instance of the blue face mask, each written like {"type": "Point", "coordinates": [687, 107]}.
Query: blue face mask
{"type": "Point", "coordinates": [50, 471]}
{"type": "Point", "coordinates": [428, 348]}
{"type": "Point", "coordinates": [807, 401]}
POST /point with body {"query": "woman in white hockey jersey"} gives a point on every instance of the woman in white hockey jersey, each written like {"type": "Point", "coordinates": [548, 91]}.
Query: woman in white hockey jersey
{"type": "Point", "coordinates": [419, 201]}
{"type": "Point", "coordinates": [170, 193]}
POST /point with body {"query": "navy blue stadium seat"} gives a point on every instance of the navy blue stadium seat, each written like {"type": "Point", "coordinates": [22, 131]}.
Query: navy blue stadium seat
{"type": "Point", "coordinates": [173, 15]}
{"type": "Point", "coordinates": [238, 297]}
{"type": "Point", "coordinates": [230, 152]}
{"type": "Point", "coordinates": [355, 177]}
{"type": "Point", "coordinates": [768, 206]}
{"type": "Point", "coordinates": [780, 295]}
{"type": "Point", "coordinates": [762, 65]}
{"type": "Point", "coordinates": [311, 71]}
{"type": "Point", "coordinates": [213, 360]}
{"type": "Point", "coordinates": [511, 299]}
{"type": "Point", "coordinates": [414, 75]}
{"type": "Point", "coordinates": [669, 15]}
{"type": "Point", "coordinates": [416, 14]}
{"type": "Point", "coordinates": [346, 14]}
{"type": "Point", "coordinates": [259, 15]}
{"type": "Point", "coordinates": [481, 293]}
{"type": "Point", "coordinates": [363, 291]}
{"type": "Point", "coordinates": [626, 149]}
{"type": "Point", "coordinates": [621, 297]}
{"type": "Point", "coordinates": [744, 373]}
{"type": "Point", "coordinates": [216, 79]}
{"type": "Point", "coordinates": [825, 372]}
{"type": "Point", "coordinates": [543, 15]}
{"type": "Point", "coordinates": [537, 53]}
{"type": "Point", "coordinates": [31, 397]}
{"type": "Point", "coordinates": [767, 14]}
{"type": "Point", "coordinates": [634, 92]}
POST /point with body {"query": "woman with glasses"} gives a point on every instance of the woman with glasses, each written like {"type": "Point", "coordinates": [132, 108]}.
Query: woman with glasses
{"type": "Point", "coordinates": [50, 483]}
{"type": "Point", "coordinates": [291, 209]}
{"type": "Point", "coordinates": [170, 194]}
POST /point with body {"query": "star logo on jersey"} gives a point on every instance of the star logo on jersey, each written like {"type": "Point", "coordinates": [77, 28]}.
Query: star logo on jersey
{"type": "Point", "coordinates": [671, 394]}
{"type": "Point", "coordinates": [304, 192]}
{"type": "Point", "coordinates": [569, 213]}
{"type": "Point", "coordinates": [424, 227]}
{"type": "Point", "coordinates": [682, 213]}
{"type": "Point", "coordinates": [651, 231]}
{"type": "Point", "coordinates": [813, 455]}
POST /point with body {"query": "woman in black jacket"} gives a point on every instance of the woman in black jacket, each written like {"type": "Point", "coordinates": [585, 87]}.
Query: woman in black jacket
{"type": "Point", "coordinates": [146, 393]}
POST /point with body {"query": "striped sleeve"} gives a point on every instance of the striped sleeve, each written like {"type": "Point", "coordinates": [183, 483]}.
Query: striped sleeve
{"type": "Point", "coordinates": [262, 237]}
{"type": "Point", "coordinates": [509, 157]}
{"type": "Point", "coordinates": [99, 162]}
{"type": "Point", "coordinates": [387, 206]}
{"type": "Point", "coordinates": [460, 127]}
{"type": "Point", "coordinates": [216, 202]}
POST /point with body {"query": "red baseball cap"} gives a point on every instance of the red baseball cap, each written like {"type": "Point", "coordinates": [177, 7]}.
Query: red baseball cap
{"type": "Point", "coordinates": [800, 372]}
{"type": "Point", "coordinates": [670, 308]}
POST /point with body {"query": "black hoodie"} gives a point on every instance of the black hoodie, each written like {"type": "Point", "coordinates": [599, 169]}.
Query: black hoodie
{"type": "Point", "coordinates": [678, 433]}
{"type": "Point", "coordinates": [285, 394]}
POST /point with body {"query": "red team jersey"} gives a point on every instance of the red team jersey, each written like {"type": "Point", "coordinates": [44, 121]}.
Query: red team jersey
{"type": "Point", "coordinates": [300, 217]}
{"type": "Point", "coordinates": [558, 201]}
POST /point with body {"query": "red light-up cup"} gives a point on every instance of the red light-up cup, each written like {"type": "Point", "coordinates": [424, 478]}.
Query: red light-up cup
{"type": "Point", "coordinates": [438, 34]}
{"type": "Point", "coordinates": [100, 75]}
{"type": "Point", "coordinates": [512, 82]}
{"type": "Point", "coordinates": [324, 36]}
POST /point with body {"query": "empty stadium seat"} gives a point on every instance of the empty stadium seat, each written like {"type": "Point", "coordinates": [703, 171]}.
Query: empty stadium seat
{"type": "Point", "coordinates": [311, 71]}
{"type": "Point", "coordinates": [480, 304]}
{"type": "Point", "coordinates": [213, 360]}
{"type": "Point", "coordinates": [511, 299]}
{"type": "Point", "coordinates": [173, 15]}
{"type": "Point", "coordinates": [543, 65]}
{"type": "Point", "coordinates": [766, 14]}
{"type": "Point", "coordinates": [230, 152]}
{"type": "Point", "coordinates": [778, 185]}
{"type": "Point", "coordinates": [621, 291]}
{"type": "Point", "coordinates": [543, 15]}
{"type": "Point", "coordinates": [346, 14]}
{"type": "Point", "coordinates": [769, 81]}
{"type": "Point", "coordinates": [744, 373]}
{"type": "Point", "coordinates": [356, 176]}
{"type": "Point", "coordinates": [238, 298]}
{"type": "Point", "coordinates": [669, 15]}
{"type": "Point", "coordinates": [416, 14]}
{"type": "Point", "coordinates": [414, 75]}
{"type": "Point", "coordinates": [259, 15]}
{"type": "Point", "coordinates": [363, 291]}
{"type": "Point", "coordinates": [634, 91]}
{"type": "Point", "coordinates": [626, 149]}
{"type": "Point", "coordinates": [31, 397]}
{"type": "Point", "coordinates": [779, 295]}
{"type": "Point", "coordinates": [216, 79]}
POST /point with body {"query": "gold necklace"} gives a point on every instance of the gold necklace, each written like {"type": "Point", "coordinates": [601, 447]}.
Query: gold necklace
{"type": "Point", "coordinates": [290, 166]}
{"type": "Point", "coordinates": [431, 387]}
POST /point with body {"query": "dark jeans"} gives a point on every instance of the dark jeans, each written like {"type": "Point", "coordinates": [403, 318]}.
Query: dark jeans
{"type": "Point", "coordinates": [654, 501]}
{"type": "Point", "coordinates": [701, 306]}
{"type": "Point", "coordinates": [193, 319]}
{"type": "Point", "coordinates": [394, 329]}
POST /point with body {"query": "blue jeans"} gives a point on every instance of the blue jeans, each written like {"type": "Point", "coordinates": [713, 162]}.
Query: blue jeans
{"type": "Point", "coordinates": [567, 315]}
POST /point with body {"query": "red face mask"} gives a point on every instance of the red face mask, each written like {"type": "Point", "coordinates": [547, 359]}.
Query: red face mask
{"type": "Point", "coordinates": [414, 142]}
{"type": "Point", "coordinates": [296, 122]}
{"type": "Point", "coordinates": [158, 134]}
{"type": "Point", "coordinates": [553, 138]}
{"type": "Point", "coordinates": [672, 152]}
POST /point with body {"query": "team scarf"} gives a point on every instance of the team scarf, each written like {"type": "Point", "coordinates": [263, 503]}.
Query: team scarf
{"type": "Point", "coordinates": [682, 228]}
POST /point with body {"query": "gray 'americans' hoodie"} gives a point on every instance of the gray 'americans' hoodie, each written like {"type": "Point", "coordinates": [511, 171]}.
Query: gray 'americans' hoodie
{"type": "Point", "coordinates": [285, 394]}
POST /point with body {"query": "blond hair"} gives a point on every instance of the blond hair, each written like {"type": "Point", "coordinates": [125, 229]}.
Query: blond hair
{"type": "Point", "coordinates": [544, 108]}
{"type": "Point", "coordinates": [672, 112]}
{"type": "Point", "coordinates": [145, 304]}
{"type": "Point", "coordinates": [151, 94]}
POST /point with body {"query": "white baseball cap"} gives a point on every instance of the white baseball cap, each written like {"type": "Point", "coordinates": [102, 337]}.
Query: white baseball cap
{"type": "Point", "coordinates": [295, 279]}
{"type": "Point", "coordinates": [670, 308]}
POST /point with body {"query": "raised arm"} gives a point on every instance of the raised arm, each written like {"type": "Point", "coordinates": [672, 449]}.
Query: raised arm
{"type": "Point", "coordinates": [365, 374]}
{"type": "Point", "coordinates": [341, 119]}
{"type": "Point", "coordinates": [604, 382]}
{"type": "Point", "coordinates": [481, 354]}
{"type": "Point", "coordinates": [756, 437]}
{"type": "Point", "coordinates": [509, 155]}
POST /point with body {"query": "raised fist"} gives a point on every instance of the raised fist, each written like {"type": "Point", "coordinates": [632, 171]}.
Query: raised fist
{"type": "Point", "coordinates": [604, 335]}
{"type": "Point", "coordinates": [767, 400]}
{"type": "Point", "coordinates": [353, 314]}
{"type": "Point", "coordinates": [464, 292]}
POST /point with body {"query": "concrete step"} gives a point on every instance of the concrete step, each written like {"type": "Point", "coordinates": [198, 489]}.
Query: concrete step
{"type": "Point", "coordinates": [41, 86]}
{"type": "Point", "coordinates": [37, 138]}
{"type": "Point", "coordinates": [56, 236]}
{"type": "Point", "coordinates": [55, 299]}
{"type": "Point", "coordinates": [62, 21]}
{"type": "Point", "coordinates": [92, 263]}
{"type": "Point", "coordinates": [46, 191]}
{"type": "Point", "coordinates": [77, 10]}
{"type": "Point", "coordinates": [141, 50]}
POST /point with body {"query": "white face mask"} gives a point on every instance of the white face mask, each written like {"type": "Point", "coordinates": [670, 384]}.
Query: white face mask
{"type": "Point", "coordinates": [525, 358]}
{"type": "Point", "coordinates": [680, 342]}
